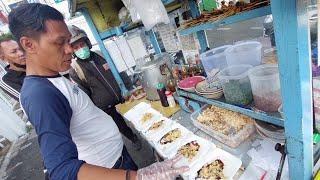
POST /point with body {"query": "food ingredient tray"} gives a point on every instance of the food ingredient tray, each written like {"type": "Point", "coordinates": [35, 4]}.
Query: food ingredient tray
{"type": "Point", "coordinates": [231, 164]}
{"type": "Point", "coordinates": [166, 149]}
{"type": "Point", "coordinates": [205, 147]}
{"type": "Point", "coordinates": [234, 138]}
{"type": "Point", "coordinates": [136, 114]}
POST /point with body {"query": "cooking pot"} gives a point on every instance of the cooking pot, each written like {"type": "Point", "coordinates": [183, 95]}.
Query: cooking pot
{"type": "Point", "coordinates": [153, 72]}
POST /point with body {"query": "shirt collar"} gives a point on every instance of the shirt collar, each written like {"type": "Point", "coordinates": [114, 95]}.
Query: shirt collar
{"type": "Point", "coordinates": [14, 72]}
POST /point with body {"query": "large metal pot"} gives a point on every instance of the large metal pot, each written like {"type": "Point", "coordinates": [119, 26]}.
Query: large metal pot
{"type": "Point", "coordinates": [153, 72]}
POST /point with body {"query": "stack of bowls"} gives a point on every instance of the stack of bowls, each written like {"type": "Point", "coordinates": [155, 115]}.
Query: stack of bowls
{"type": "Point", "coordinates": [211, 91]}
{"type": "Point", "coordinates": [271, 131]}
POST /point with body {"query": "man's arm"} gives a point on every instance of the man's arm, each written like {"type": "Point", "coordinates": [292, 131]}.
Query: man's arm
{"type": "Point", "coordinates": [91, 172]}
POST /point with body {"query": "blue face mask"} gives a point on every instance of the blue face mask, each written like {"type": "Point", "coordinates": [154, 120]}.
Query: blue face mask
{"type": "Point", "coordinates": [83, 53]}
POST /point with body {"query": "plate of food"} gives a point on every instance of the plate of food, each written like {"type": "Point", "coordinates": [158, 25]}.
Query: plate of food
{"type": "Point", "coordinates": [218, 164]}
{"type": "Point", "coordinates": [144, 120]}
{"type": "Point", "coordinates": [192, 150]}
{"type": "Point", "coordinates": [157, 127]}
{"type": "Point", "coordinates": [137, 111]}
{"type": "Point", "coordinates": [170, 139]}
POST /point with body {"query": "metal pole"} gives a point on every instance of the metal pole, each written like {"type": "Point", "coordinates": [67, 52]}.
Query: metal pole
{"type": "Point", "coordinates": [201, 35]}
{"type": "Point", "coordinates": [153, 39]}
{"type": "Point", "coordinates": [292, 36]}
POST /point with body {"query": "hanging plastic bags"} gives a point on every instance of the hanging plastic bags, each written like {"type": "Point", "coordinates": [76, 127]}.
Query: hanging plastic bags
{"type": "Point", "coordinates": [132, 10]}
{"type": "Point", "coordinates": [151, 12]}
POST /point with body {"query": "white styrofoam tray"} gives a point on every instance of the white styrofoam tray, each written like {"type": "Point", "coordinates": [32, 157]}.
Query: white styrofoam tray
{"type": "Point", "coordinates": [166, 149]}
{"type": "Point", "coordinates": [136, 111]}
{"type": "Point", "coordinates": [135, 115]}
{"type": "Point", "coordinates": [152, 134]}
{"type": "Point", "coordinates": [205, 148]}
{"type": "Point", "coordinates": [231, 163]}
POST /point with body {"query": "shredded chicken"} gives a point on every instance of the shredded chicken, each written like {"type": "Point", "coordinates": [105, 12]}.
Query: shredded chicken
{"type": "Point", "coordinates": [146, 117]}
{"type": "Point", "coordinates": [170, 136]}
{"type": "Point", "coordinates": [156, 125]}
{"type": "Point", "coordinates": [212, 171]}
{"type": "Point", "coordinates": [222, 120]}
{"type": "Point", "coordinates": [189, 150]}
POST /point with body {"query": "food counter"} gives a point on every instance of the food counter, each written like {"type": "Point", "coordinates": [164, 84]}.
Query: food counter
{"type": "Point", "coordinates": [166, 111]}
{"type": "Point", "coordinates": [183, 121]}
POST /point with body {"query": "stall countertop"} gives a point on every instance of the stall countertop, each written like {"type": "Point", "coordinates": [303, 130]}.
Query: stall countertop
{"type": "Point", "coordinates": [166, 111]}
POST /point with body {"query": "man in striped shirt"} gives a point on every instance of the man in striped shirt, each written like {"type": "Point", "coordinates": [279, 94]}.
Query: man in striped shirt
{"type": "Point", "coordinates": [16, 70]}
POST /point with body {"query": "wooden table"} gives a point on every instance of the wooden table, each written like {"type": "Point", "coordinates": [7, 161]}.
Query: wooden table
{"type": "Point", "coordinates": [166, 111]}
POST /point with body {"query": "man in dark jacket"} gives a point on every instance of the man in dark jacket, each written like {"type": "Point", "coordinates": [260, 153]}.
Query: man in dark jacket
{"type": "Point", "coordinates": [16, 70]}
{"type": "Point", "coordinates": [91, 72]}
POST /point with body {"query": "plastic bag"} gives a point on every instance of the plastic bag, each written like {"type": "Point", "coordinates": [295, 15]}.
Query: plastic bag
{"type": "Point", "coordinates": [132, 10]}
{"type": "Point", "coordinates": [151, 12]}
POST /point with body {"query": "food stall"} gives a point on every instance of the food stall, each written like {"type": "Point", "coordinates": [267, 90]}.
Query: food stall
{"type": "Point", "coordinates": [239, 97]}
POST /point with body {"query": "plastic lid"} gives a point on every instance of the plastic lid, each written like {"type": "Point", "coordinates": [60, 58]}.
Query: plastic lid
{"type": "Point", "coordinates": [160, 86]}
{"type": "Point", "coordinates": [168, 93]}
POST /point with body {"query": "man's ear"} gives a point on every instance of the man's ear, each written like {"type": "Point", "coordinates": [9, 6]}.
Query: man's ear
{"type": "Point", "coordinates": [28, 44]}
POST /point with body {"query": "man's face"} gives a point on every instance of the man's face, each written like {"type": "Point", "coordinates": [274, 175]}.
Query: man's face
{"type": "Point", "coordinates": [12, 53]}
{"type": "Point", "coordinates": [78, 44]}
{"type": "Point", "coordinates": [53, 51]}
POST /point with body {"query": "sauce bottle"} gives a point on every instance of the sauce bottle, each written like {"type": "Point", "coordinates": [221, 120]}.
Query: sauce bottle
{"type": "Point", "coordinates": [161, 91]}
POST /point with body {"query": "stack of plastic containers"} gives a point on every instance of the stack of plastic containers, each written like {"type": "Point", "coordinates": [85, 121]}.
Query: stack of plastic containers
{"type": "Point", "coordinates": [236, 85]}
{"type": "Point", "coordinates": [265, 86]}
{"type": "Point", "coordinates": [214, 59]}
{"type": "Point", "coordinates": [244, 53]}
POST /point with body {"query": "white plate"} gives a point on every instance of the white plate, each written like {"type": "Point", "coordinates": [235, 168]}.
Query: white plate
{"type": "Point", "coordinates": [231, 163]}
{"type": "Point", "coordinates": [137, 110]}
{"type": "Point", "coordinates": [205, 148]}
{"type": "Point", "coordinates": [151, 134]}
{"type": "Point", "coordinates": [166, 149]}
{"type": "Point", "coordinates": [143, 126]}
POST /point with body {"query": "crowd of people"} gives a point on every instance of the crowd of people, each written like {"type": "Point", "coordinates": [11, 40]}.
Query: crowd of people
{"type": "Point", "coordinates": [78, 127]}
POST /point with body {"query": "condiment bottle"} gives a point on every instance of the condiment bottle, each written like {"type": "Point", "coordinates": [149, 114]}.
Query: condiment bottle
{"type": "Point", "coordinates": [171, 86]}
{"type": "Point", "coordinates": [161, 91]}
{"type": "Point", "coordinates": [170, 99]}
{"type": "Point", "coordinates": [184, 72]}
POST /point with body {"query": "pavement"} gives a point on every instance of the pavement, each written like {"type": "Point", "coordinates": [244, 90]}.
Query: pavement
{"type": "Point", "coordinates": [23, 160]}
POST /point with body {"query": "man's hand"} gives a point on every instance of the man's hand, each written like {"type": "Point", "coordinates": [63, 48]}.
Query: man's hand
{"type": "Point", "coordinates": [161, 170]}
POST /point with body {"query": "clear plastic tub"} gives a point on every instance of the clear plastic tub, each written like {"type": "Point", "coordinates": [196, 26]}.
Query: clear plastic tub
{"type": "Point", "coordinates": [232, 141]}
{"type": "Point", "coordinates": [265, 86]}
{"type": "Point", "coordinates": [244, 53]}
{"type": "Point", "coordinates": [236, 84]}
{"type": "Point", "coordinates": [214, 58]}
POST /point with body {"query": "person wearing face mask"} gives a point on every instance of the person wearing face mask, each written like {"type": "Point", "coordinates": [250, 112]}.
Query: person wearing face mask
{"type": "Point", "coordinates": [11, 53]}
{"type": "Point", "coordinates": [91, 72]}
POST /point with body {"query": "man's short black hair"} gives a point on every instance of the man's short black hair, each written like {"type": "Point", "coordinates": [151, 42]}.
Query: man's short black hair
{"type": "Point", "coordinates": [29, 19]}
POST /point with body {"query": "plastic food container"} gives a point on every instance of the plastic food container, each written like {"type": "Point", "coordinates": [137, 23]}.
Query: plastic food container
{"type": "Point", "coordinates": [232, 141]}
{"type": "Point", "coordinates": [214, 58]}
{"type": "Point", "coordinates": [236, 84]}
{"type": "Point", "coordinates": [244, 53]}
{"type": "Point", "coordinates": [265, 86]}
